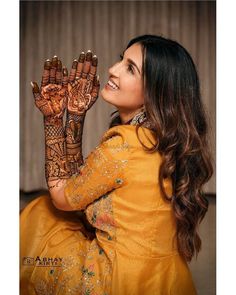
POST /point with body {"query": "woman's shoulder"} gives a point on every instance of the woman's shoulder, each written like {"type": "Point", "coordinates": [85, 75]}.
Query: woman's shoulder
{"type": "Point", "coordinates": [129, 135]}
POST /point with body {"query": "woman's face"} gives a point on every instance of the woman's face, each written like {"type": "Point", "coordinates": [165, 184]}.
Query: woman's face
{"type": "Point", "coordinates": [125, 86]}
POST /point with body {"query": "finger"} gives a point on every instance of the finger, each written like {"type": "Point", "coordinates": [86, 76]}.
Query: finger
{"type": "Point", "coordinates": [96, 81]}
{"type": "Point", "coordinates": [73, 71]}
{"type": "Point", "coordinates": [52, 76]}
{"type": "Point", "coordinates": [59, 72]}
{"type": "Point", "coordinates": [96, 87]}
{"type": "Point", "coordinates": [35, 89]}
{"type": "Point", "coordinates": [64, 76]}
{"type": "Point", "coordinates": [87, 64]}
{"type": "Point", "coordinates": [80, 65]}
{"type": "Point", "coordinates": [93, 69]}
{"type": "Point", "coordinates": [46, 72]}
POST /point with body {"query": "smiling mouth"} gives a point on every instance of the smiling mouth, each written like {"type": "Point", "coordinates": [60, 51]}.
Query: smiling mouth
{"type": "Point", "coordinates": [112, 85]}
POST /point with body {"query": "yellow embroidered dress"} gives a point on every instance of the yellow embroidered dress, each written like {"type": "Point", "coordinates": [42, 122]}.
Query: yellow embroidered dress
{"type": "Point", "coordinates": [134, 251]}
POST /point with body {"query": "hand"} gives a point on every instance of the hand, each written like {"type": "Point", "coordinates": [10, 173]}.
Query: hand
{"type": "Point", "coordinates": [83, 86]}
{"type": "Point", "coordinates": [51, 98]}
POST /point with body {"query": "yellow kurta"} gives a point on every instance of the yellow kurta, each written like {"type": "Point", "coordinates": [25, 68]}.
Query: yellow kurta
{"type": "Point", "coordinates": [134, 251]}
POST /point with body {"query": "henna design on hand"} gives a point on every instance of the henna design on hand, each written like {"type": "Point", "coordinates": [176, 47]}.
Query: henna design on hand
{"type": "Point", "coordinates": [93, 69]}
{"type": "Point", "coordinates": [59, 72]}
{"type": "Point", "coordinates": [53, 69]}
{"type": "Point", "coordinates": [45, 77]}
{"type": "Point", "coordinates": [80, 65]}
{"type": "Point", "coordinates": [83, 86]}
{"type": "Point", "coordinates": [73, 71]}
{"type": "Point", "coordinates": [51, 99]}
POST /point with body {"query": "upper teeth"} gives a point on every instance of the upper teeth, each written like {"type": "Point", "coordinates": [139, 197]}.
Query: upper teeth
{"type": "Point", "coordinates": [114, 86]}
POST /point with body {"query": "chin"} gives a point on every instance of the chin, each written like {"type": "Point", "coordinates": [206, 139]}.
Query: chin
{"type": "Point", "coordinates": [114, 100]}
{"type": "Point", "coordinates": [105, 96]}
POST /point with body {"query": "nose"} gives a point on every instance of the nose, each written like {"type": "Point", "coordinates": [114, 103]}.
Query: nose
{"type": "Point", "coordinates": [114, 70]}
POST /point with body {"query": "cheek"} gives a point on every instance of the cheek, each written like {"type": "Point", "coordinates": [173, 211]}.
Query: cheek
{"type": "Point", "coordinates": [133, 87]}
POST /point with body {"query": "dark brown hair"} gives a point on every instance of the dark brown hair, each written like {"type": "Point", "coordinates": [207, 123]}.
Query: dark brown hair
{"type": "Point", "coordinates": [174, 107]}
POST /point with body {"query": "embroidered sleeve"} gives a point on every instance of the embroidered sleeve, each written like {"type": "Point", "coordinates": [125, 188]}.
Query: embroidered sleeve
{"type": "Point", "coordinates": [102, 172]}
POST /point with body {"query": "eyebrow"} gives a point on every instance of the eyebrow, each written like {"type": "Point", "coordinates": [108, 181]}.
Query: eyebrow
{"type": "Point", "coordinates": [132, 62]}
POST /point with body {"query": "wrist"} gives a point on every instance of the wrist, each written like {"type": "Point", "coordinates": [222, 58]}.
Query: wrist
{"type": "Point", "coordinates": [74, 129]}
{"type": "Point", "coordinates": [75, 115]}
{"type": "Point", "coordinates": [74, 132]}
{"type": "Point", "coordinates": [52, 120]}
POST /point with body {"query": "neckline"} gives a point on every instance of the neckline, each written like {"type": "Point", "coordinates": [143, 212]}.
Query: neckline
{"type": "Point", "coordinates": [137, 119]}
{"type": "Point", "coordinates": [140, 119]}
{"type": "Point", "coordinates": [132, 127]}
{"type": "Point", "coordinates": [147, 132]}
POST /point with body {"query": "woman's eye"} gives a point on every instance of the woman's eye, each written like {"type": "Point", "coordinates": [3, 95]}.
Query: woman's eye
{"type": "Point", "coordinates": [130, 69]}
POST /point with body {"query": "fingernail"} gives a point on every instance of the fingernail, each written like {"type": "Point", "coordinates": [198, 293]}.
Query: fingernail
{"type": "Point", "coordinates": [94, 61]}
{"type": "Point", "coordinates": [54, 61]}
{"type": "Point", "coordinates": [47, 64]}
{"type": "Point", "coordinates": [32, 84]}
{"type": "Point", "coordinates": [81, 57]}
{"type": "Point", "coordinates": [55, 56]}
{"type": "Point", "coordinates": [88, 55]}
{"type": "Point", "coordinates": [89, 50]}
{"type": "Point", "coordinates": [98, 78]}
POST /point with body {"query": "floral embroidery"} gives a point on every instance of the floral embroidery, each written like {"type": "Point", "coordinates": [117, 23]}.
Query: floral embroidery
{"type": "Point", "coordinates": [119, 180]}
{"type": "Point", "coordinates": [92, 278]}
{"type": "Point", "coordinates": [100, 214]}
{"type": "Point", "coordinates": [101, 173]}
{"type": "Point", "coordinates": [85, 271]}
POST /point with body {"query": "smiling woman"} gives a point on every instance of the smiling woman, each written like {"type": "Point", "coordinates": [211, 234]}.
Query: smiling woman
{"type": "Point", "coordinates": [140, 190]}
{"type": "Point", "coordinates": [125, 88]}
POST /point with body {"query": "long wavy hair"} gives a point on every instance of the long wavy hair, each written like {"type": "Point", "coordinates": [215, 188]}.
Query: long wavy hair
{"type": "Point", "coordinates": [173, 106]}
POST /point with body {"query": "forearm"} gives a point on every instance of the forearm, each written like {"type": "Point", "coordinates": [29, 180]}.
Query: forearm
{"type": "Point", "coordinates": [74, 133]}
{"type": "Point", "coordinates": [56, 168]}
{"type": "Point", "coordinates": [55, 150]}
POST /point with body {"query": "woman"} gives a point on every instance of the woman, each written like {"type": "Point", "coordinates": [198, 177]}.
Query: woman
{"type": "Point", "coordinates": [140, 189]}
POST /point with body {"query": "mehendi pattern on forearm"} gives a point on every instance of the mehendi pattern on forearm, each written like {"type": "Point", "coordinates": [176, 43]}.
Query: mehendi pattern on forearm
{"type": "Point", "coordinates": [51, 100]}
{"type": "Point", "coordinates": [74, 132]}
{"type": "Point", "coordinates": [55, 154]}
